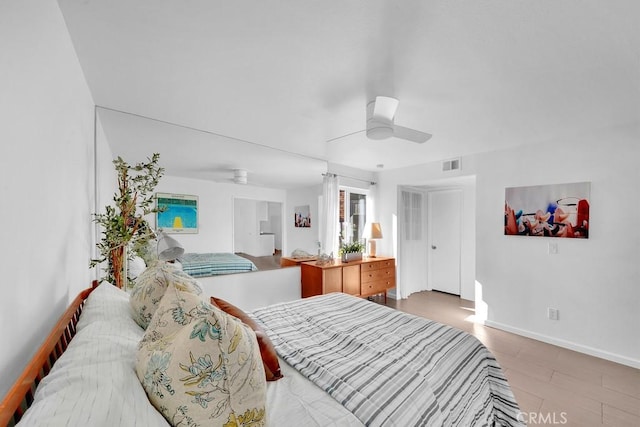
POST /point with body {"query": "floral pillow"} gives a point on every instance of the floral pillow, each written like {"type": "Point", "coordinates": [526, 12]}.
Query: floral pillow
{"type": "Point", "coordinates": [201, 366]}
{"type": "Point", "coordinates": [267, 350]}
{"type": "Point", "coordinates": [151, 285]}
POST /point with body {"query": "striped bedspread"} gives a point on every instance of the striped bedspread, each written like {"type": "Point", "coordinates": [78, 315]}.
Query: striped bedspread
{"type": "Point", "coordinates": [211, 264]}
{"type": "Point", "coordinates": [390, 368]}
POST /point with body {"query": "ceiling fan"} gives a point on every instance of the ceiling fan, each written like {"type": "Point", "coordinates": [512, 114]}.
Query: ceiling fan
{"type": "Point", "coordinates": [381, 122]}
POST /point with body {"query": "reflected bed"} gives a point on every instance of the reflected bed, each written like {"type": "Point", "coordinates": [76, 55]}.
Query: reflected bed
{"type": "Point", "coordinates": [213, 264]}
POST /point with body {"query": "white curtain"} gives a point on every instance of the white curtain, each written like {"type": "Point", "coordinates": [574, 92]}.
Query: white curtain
{"type": "Point", "coordinates": [329, 216]}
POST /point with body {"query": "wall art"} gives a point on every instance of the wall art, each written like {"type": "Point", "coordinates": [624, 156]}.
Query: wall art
{"type": "Point", "coordinates": [302, 216]}
{"type": "Point", "coordinates": [177, 213]}
{"type": "Point", "coordinates": [557, 210]}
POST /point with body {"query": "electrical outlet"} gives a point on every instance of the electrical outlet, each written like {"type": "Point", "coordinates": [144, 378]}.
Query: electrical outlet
{"type": "Point", "coordinates": [553, 313]}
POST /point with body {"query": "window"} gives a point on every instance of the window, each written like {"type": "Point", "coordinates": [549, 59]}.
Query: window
{"type": "Point", "coordinates": [352, 215]}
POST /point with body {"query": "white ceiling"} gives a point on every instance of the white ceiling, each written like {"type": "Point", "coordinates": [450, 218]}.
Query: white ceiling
{"type": "Point", "coordinates": [210, 84]}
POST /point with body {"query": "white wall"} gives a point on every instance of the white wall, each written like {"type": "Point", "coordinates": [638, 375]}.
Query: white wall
{"type": "Point", "coordinates": [594, 282]}
{"type": "Point", "coordinates": [275, 222]}
{"type": "Point", "coordinates": [256, 289]}
{"type": "Point", "coordinates": [302, 237]}
{"type": "Point", "coordinates": [105, 187]}
{"type": "Point", "coordinates": [46, 178]}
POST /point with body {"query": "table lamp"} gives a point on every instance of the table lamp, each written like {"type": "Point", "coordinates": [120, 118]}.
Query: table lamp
{"type": "Point", "coordinates": [373, 231]}
{"type": "Point", "coordinates": [168, 248]}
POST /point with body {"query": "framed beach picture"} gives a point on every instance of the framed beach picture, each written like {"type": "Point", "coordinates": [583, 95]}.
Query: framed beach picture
{"type": "Point", "coordinates": [302, 216]}
{"type": "Point", "coordinates": [557, 210]}
{"type": "Point", "coordinates": [178, 213]}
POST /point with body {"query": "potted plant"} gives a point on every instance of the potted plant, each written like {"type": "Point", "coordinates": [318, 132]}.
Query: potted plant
{"type": "Point", "coordinates": [124, 224]}
{"type": "Point", "coordinates": [351, 251]}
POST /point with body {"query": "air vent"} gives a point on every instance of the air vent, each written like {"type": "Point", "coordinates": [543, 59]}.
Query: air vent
{"type": "Point", "coordinates": [451, 165]}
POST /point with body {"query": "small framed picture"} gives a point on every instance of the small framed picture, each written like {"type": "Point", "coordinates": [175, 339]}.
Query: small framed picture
{"type": "Point", "coordinates": [302, 216]}
{"type": "Point", "coordinates": [178, 213]}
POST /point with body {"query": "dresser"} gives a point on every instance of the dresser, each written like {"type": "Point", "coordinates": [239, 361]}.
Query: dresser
{"type": "Point", "coordinates": [286, 261]}
{"type": "Point", "coordinates": [370, 276]}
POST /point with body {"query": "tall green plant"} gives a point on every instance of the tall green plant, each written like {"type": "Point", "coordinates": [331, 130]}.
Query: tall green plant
{"type": "Point", "coordinates": [123, 224]}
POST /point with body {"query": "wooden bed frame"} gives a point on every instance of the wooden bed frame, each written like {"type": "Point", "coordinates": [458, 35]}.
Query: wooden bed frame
{"type": "Point", "coordinates": [20, 396]}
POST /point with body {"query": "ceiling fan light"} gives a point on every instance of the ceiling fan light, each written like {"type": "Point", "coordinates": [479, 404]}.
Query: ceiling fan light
{"type": "Point", "coordinates": [379, 132]}
{"type": "Point", "coordinates": [240, 176]}
{"type": "Point", "coordinates": [385, 108]}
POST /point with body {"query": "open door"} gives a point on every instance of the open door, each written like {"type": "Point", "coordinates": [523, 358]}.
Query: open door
{"type": "Point", "coordinates": [412, 266]}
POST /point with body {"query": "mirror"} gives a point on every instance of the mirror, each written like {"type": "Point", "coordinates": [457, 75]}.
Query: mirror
{"type": "Point", "coordinates": [205, 155]}
{"type": "Point", "coordinates": [202, 163]}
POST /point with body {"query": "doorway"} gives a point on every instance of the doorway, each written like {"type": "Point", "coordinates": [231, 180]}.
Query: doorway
{"type": "Point", "coordinates": [443, 258]}
{"type": "Point", "coordinates": [257, 227]}
{"type": "Point", "coordinates": [444, 212]}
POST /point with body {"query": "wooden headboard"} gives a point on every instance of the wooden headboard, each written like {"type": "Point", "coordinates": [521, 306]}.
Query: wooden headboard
{"type": "Point", "coordinates": [20, 396]}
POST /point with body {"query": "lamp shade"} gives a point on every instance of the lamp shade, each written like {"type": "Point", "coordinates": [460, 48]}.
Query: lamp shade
{"type": "Point", "coordinates": [376, 231]}
{"type": "Point", "coordinates": [168, 248]}
{"type": "Point", "coordinates": [372, 231]}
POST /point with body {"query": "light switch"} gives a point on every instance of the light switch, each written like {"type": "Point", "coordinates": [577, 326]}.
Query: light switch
{"type": "Point", "coordinates": [553, 248]}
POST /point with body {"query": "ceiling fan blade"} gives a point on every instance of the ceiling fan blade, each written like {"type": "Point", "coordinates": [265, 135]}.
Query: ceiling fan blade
{"type": "Point", "coordinates": [411, 134]}
{"type": "Point", "coordinates": [346, 135]}
{"type": "Point", "coordinates": [385, 108]}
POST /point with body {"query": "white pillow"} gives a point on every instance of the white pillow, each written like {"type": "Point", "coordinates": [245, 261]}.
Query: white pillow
{"type": "Point", "coordinates": [135, 267]}
{"type": "Point", "coordinates": [94, 382]}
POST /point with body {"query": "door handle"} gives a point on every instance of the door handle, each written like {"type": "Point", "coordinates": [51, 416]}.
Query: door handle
{"type": "Point", "coordinates": [433, 247]}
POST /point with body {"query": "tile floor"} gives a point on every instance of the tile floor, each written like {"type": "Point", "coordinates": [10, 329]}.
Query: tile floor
{"type": "Point", "coordinates": [553, 385]}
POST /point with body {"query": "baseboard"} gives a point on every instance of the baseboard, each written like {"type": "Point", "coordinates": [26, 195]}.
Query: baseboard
{"type": "Point", "coordinates": [634, 363]}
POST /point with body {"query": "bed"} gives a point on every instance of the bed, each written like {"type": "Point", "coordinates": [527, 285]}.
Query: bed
{"type": "Point", "coordinates": [346, 362]}
{"type": "Point", "coordinates": [212, 264]}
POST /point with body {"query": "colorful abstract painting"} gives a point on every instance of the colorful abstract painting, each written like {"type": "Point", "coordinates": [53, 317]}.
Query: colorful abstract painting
{"type": "Point", "coordinates": [558, 210]}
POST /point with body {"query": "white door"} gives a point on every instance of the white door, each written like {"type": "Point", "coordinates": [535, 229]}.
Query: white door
{"type": "Point", "coordinates": [412, 271]}
{"type": "Point", "coordinates": [444, 241]}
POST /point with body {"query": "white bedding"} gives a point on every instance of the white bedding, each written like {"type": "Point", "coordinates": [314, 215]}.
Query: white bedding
{"type": "Point", "coordinates": [391, 368]}
{"type": "Point", "coordinates": [294, 397]}
{"type": "Point", "coordinates": [94, 381]}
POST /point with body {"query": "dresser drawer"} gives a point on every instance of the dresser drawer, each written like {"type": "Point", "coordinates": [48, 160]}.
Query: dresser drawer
{"type": "Point", "coordinates": [375, 275]}
{"type": "Point", "coordinates": [378, 265]}
{"type": "Point", "coordinates": [371, 276]}
{"type": "Point", "coordinates": [377, 287]}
